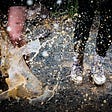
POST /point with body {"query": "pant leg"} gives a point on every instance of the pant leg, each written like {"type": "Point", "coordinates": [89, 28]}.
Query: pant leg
{"type": "Point", "coordinates": [104, 37]}
{"type": "Point", "coordinates": [84, 21]}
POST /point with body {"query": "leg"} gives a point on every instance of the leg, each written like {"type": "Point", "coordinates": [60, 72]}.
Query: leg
{"type": "Point", "coordinates": [103, 41]}
{"type": "Point", "coordinates": [84, 22]}
{"type": "Point", "coordinates": [16, 21]}
{"type": "Point", "coordinates": [104, 37]}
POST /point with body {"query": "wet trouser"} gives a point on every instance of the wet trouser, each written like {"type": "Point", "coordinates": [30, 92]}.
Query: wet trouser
{"type": "Point", "coordinates": [86, 11]}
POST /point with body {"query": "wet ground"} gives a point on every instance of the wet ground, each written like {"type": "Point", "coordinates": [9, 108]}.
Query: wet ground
{"type": "Point", "coordinates": [53, 64]}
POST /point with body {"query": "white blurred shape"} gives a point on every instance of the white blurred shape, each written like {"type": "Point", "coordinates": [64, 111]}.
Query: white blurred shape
{"type": "Point", "coordinates": [9, 28]}
{"type": "Point", "coordinates": [45, 54]}
{"type": "Point", "coordinates": [29, 2]}
{"type": "Point", "coordinates": [59, 2]}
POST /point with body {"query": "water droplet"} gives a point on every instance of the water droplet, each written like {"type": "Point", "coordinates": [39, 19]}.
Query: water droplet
{"type": "Point", "coordinates": [9, 28]}
{"type": "Point", "coordinates": [45, 54]}
{"type": "Point", "coordinates": [29, 2]}
{"type": "Point", "coordinates": [59, 2]}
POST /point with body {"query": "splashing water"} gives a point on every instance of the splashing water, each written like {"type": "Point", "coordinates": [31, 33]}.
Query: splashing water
{"type": "Point", "coordinates": [21, 82]}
